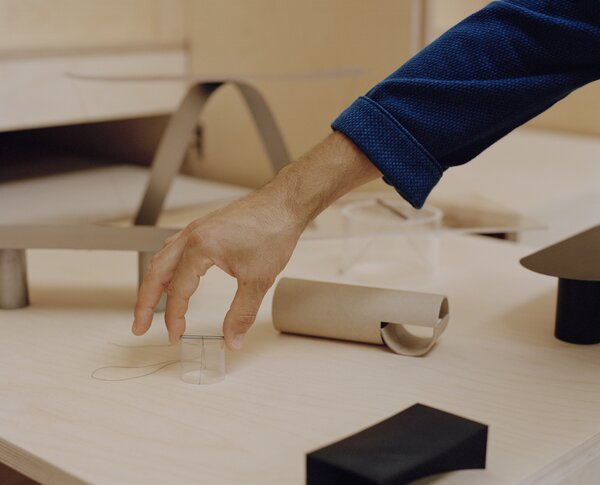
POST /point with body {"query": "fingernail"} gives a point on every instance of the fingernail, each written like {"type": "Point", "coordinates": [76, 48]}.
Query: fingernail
{"type": "Point", "coordinates": [134, 328]}
{"type": "Point", "coordinates": [238, 341]}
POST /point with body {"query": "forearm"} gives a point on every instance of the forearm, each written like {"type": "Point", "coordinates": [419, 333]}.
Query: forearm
{"type": "Point", "coordinates": [332, 168]}
{"type": "Point", "coordinates": [487, 75]}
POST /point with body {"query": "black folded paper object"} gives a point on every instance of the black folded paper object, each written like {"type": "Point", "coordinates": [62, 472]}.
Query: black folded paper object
{"type": "Point", "coordinates": [576, 263]}
{"type": "Point", "coordinates": [418, 442]}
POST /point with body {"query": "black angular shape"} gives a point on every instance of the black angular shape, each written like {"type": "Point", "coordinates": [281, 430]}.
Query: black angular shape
{"type": "Point", "coordinates": [415, 443]}
{"type": "Point", "coordinates": [576, 263]}
{"type": "Point", "coordinates": [578, 312]}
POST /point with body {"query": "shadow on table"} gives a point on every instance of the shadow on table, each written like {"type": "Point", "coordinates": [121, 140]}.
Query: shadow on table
{"type": "Point", "coordinates": [8, 476]}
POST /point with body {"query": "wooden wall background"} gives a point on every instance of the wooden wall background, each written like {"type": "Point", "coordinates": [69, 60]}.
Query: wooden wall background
{"type": "Point", "coordinates": [255, 36]}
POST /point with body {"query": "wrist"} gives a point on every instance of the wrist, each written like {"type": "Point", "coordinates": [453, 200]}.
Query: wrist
{"type": "Point", "coordinates": [317, 179]}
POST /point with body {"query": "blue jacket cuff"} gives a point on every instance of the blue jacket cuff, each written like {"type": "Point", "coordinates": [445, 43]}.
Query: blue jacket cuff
{"type": "Point", "coordinates": [403, 161]}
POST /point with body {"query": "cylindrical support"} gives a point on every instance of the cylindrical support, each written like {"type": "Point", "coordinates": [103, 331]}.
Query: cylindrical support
{"type": "Point", "coordinates": [578, 311]}
{"type": "Point", "coordinates": [13, 279]}
{"type": "Point", "coordinates": [143, 262]}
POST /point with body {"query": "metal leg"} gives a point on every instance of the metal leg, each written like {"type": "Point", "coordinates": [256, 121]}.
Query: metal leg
{"type": "Point", "coordinates": [143, 262]}
{"type": "Point", "coordinates": [13, 279]}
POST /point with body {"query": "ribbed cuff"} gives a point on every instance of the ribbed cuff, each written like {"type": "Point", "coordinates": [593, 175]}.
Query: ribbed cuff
{"type": "Point", "coordinates": [404, 163]}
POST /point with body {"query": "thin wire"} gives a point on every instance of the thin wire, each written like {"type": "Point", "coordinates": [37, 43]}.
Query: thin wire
{"type": "Point", "coordinates": [161, 364]}
{"type": "Point", "coordinates": [143, 346]}
{"type": "Point", "coordinates": [202, 362]}
{"type": "Point", "coordinates": [202, 337]}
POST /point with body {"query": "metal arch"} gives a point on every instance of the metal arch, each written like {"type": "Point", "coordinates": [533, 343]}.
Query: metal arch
{"type": "Point", "coordinates": [268, 128]}
{"type": "Point", "coordinates": [165, 166]}
{"type": "Point", "coordinates": [171, 151]}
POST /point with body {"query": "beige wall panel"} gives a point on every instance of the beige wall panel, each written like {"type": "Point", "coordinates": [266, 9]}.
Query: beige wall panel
{"type": "Point", "coordinates": [66, 24]}
{"type": "Point", "coordinates": [578, 113]}
{"type": "Point", "coordinates": [273, 36]}
{"type": "Point", "coordinates": [443, 14]}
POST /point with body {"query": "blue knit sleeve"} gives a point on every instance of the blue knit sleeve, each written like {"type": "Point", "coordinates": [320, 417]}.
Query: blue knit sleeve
{"type": "Point", "coordinates": [487, 75]}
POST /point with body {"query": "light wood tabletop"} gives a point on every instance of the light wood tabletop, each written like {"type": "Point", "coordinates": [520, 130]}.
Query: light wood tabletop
{"type": "Point", "coordinates": [497, 363]}
{"type": "Point", "coordinates": [551, 177]}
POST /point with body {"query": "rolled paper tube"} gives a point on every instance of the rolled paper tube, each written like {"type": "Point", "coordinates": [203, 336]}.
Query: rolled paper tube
{"type": "Point", "coordinates": [359, 314]}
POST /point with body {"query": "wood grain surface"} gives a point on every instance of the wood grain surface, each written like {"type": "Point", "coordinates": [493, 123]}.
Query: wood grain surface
{"type": "Point", "coordinates": [497, 363]}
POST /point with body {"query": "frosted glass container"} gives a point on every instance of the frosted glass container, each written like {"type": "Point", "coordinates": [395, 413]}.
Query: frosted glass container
{"type": "Point", "coordinates": [386, 234]}
{"type": "Point", "coordinates": [202, 359]}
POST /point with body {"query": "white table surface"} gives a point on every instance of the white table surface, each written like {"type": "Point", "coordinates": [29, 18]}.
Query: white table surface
{"type": "Point", "coordinates": [284, 396]}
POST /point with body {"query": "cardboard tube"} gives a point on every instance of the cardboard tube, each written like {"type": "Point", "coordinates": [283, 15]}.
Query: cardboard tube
{"type": "Point", "coordinates": [359, 314]}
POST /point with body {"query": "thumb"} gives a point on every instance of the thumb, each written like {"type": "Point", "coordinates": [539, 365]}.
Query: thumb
{"type": "Point", "coordinates": [242, 312]}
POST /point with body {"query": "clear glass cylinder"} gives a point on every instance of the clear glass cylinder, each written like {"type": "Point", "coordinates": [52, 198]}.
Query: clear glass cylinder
{"type": "Point", "coordinates": [202, 358]}
{"type": "Point", "coordinates": [387, 234]}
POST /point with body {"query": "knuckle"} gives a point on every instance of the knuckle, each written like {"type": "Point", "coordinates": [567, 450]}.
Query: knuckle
{"type": "Point", "coordinates": [171, 291]}
{"type": "Point", "coordinates": [263, 283]}
{"type": "Point", "coordinates": [257, 284]}
{"type": "Point", "coordinates": [152, 268]}
{"type": "Point", "coordinates": [245, 320]}
{"type": "Point", "coordinates": [193, 225]}
{"type": "Point", "coordinates": [140, 308]}
{"type": "Point", "coordinates": [171, 239]}
{"type": "Point", "coordinates": [153, 272]}
{"type": "Point", "coordinates": [196, 238]}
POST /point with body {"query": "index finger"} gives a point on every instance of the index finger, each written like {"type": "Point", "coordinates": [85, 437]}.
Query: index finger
{"type": "Point", "coordinates": [191, 267]}
{"type": "Point", "coordinates": [156, 279]}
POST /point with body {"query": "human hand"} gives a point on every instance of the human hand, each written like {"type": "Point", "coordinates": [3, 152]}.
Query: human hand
{"type": "Point", "coordinates": [251, 239]}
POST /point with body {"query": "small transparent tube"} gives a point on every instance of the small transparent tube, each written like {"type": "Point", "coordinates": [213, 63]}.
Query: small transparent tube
{"type": "Point", "coordinates": [202, 358]}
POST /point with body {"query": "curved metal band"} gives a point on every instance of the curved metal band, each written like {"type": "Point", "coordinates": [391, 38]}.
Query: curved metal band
{"type": "Point", "coordinates": [174, 142]}
{"type": "Point", "coordinates": [166, 165]}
